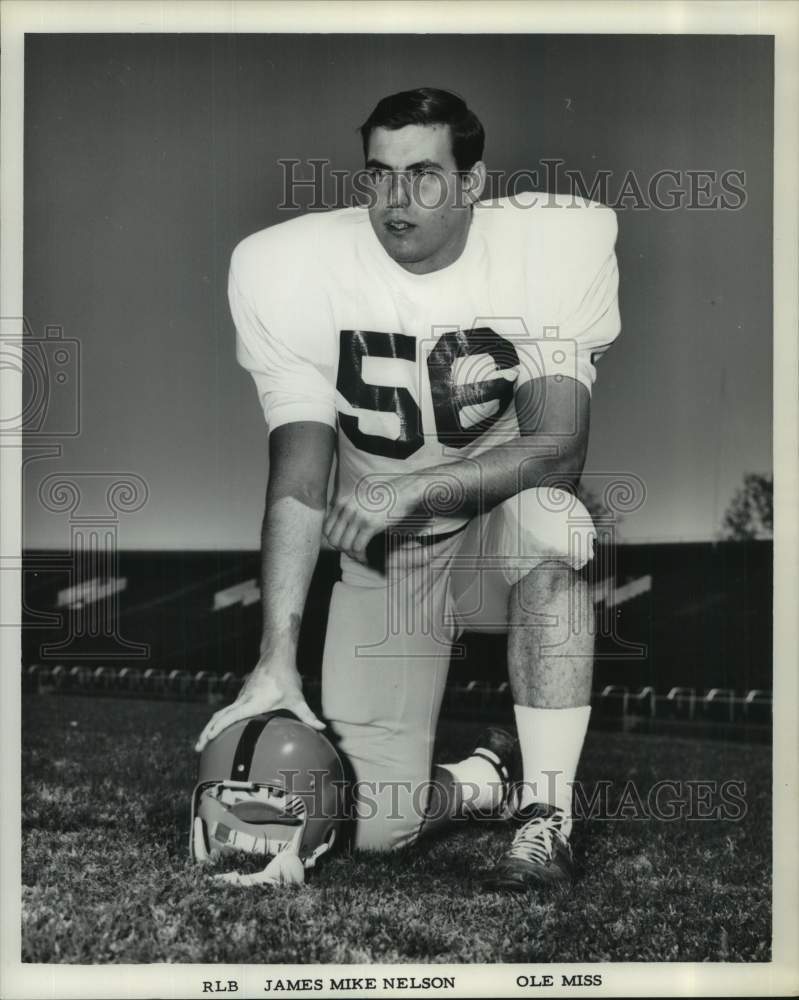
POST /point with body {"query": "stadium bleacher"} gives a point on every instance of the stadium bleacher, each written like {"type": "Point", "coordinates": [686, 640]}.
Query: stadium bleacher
{"type": "Point", "coordinates": [683, 631]}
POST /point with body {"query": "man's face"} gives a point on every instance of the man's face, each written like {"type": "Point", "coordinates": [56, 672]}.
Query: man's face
{"type": "Point", "coordinates": [420, 205]}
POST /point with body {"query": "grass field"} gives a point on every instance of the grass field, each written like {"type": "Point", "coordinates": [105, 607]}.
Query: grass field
{"type": "Point", "coordinates": [106, 877]}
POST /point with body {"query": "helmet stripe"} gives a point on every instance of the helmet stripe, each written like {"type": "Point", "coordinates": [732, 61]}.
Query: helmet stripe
{"type": "Point", "coordinates": [242, 759]}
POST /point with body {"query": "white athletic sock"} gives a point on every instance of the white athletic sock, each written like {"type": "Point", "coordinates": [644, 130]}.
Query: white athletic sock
{"type": "Point", "coordinates": [482, 787]}
{"type": "Point", "coordinates": [551, 741]}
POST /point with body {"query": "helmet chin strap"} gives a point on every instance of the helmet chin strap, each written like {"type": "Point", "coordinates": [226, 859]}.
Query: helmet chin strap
{"type": "Point", "coordinates": [318, 852]}
{"type": "Point", "coordinates": [284, 869]}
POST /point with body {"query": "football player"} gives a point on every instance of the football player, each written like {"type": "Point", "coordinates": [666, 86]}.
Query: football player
{"type": "Point", "coordinates": [442, 350]}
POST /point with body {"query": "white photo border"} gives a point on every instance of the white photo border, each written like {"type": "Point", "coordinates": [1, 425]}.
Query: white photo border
{"type": "Point", "coordinates": [779, 18]}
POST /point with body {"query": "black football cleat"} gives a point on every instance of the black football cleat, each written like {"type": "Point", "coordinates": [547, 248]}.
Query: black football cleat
{"type": "Point", "coordinates": [540, 856]}
{"type": "Point", "coordinates": [501, 749]}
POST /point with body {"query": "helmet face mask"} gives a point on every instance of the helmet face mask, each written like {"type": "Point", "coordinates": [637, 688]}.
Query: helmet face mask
{"type": "Point", "coordinates": [269, 786]}
{"type": "Point", "coordinates": [250, 818]}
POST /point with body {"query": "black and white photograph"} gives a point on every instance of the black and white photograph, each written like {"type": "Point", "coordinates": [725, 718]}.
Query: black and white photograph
{"type": "Point", "coordinates": [399, 452]}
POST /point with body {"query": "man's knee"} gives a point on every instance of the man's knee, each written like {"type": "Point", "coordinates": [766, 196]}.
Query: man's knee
{"type": "Point", "coordinates": [550, 594]}
{"type": "Point", "coordinates": [550, 524]}
{"type": "Point", "coordinates": [376, 835]}
{"type": "Point", "coordinates": [389, 813]}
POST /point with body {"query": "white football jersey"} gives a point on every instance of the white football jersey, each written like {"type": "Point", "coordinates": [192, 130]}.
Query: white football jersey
{"type": "Point", "coordinates": [415, 370]}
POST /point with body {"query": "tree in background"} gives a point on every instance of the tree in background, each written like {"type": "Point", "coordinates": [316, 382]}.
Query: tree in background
{"type": "Point", "coordinates": [751, 511]}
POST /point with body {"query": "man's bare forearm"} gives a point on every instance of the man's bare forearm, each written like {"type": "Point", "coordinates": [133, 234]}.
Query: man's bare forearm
{"type": "Point", "coordinates": [477, 484]}
{"type": "Point", "coordinates": [553, 420]}
{"type": "Point", "coordinates": [300, 457]}
{"type": "Point", "coordinates": [291, 533]}
{"type": "Point", "coordinates": [290, 541]}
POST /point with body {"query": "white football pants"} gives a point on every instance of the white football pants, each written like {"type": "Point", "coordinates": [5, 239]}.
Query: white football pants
{"type": "Point", "coordinates": [389, 640]}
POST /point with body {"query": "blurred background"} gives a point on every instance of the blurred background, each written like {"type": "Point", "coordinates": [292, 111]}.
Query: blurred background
{"type": "Point", "coordinates": [147, 158]}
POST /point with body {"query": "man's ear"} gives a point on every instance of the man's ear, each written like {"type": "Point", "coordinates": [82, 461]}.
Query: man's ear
{"type": "Point", "coordinates": [474, 182]}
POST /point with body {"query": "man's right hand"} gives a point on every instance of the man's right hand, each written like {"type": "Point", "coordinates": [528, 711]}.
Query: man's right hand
{"type": "Point", "coordinates": [269, 687]}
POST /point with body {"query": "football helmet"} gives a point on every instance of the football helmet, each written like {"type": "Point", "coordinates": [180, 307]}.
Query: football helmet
{"type": "Point", "coordinates": [271, 786]}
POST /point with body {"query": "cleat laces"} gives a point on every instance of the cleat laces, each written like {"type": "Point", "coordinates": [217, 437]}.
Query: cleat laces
{"type": "Point", "coordinates": [536, 840]}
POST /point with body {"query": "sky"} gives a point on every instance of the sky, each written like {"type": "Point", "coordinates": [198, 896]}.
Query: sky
{"type": "Point", "coordinates": [147, 158]}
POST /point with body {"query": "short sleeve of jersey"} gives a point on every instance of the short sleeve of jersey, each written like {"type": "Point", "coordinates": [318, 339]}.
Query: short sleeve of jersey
{"type": "Point", "coordinates": [282, 324]}
{"type": "Point", "coordinates": [584, 304]}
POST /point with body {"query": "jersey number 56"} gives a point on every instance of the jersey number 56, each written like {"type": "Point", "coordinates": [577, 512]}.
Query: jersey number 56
{"type": "Point", "coordinates": [449, 397]}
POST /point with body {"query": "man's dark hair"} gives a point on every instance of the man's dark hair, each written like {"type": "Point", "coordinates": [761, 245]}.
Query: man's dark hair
{"type": "Point", "coordinates": [429, 106]}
